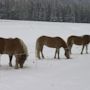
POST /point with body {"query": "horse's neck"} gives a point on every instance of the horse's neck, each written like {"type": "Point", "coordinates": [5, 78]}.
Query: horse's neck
{"type": "Point", "coordinates": [65, 45]}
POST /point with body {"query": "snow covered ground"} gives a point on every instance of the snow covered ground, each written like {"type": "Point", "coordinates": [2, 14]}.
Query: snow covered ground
{"type": "Point", "coordinates": [49, 73]}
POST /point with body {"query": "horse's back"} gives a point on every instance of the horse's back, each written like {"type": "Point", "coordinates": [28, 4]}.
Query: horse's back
{"type": "Point", "coordinates": [53, 42]}
{"type": "Point", "coordinates": [73, 37]}
{"type": "Point", "coordinates": [78, 40]}
{"type": "Point", "coordinates": [12, 42]}
{"type": "Point", "coordinates": [13, 45]}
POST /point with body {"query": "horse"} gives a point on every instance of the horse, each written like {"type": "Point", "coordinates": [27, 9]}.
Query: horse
{"type": "Point", "coordinates": [52, 42]}
{"type": "Point", "coordinates": [79, 40]}
{"type": "Point", "coordinates": [14, 47]}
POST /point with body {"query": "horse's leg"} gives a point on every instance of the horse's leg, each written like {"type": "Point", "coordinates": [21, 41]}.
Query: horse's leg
{"type": "Point", "coordinates": [70, 47]}
{"type": "Point", "coordinates": [17, 62]}
{"type": "Point", "coordinates": [42, 53]}
{"type": "Point", "coordinates": [55, 53]}
{"type": "Point", "coordinates": [82, 49]}
{"type": "Point", "coordinates": [10, 62]}
{"type": "Point", "coordinates": [58, 54]}
{"type": "Point", "coordinates": [22, 60]}
{"type": "Point", "coordinates": [86, 49]}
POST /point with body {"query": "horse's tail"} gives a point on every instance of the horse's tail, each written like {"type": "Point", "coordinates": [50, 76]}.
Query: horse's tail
{"type": "Point", "coordinates": [37, 49]}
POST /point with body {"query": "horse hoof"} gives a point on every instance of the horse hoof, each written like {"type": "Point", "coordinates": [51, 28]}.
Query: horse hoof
{"type": "Point", "coordinates": [21, 66]}
{"type": "Point", "coordinates": [86, 52]}
{"type": "Point", "coordinates": [16, 67]}
{"type": "Point", "coordinates": [54, 57]}
{"type": "Point", "coordinates": [10, 65]}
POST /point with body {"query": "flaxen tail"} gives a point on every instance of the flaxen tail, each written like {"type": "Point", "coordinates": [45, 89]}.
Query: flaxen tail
{"type": "Point", "coordinates": [37, 49]}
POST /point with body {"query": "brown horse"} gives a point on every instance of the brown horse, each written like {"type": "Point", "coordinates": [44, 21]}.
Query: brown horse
{"type": "Point", "coordinates": [53, 42]}
{"type": "Point", "coordinates": [79, 40]}
{"type": "Point", "coordinates": [14, 47]}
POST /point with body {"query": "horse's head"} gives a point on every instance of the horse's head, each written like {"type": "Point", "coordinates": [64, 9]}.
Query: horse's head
{"type": "Point", "coordinates": [67, 54]}
{"type": "Point", "coordinates": [22, 60]}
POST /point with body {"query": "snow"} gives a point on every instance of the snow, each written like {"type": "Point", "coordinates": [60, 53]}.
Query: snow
{"type": "Point", "coordinates": [48, 73]}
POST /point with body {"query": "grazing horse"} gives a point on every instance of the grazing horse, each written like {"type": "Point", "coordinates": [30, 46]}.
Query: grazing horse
{"type": "Point", "coordinates": [14, 47]}
{"type": "Point", "coordinates": [53, 42]}
{"type": "Point", "coordinates": [79, 40]}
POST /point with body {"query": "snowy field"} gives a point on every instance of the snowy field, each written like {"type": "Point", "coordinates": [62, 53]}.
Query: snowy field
{"type": "Point", "coordinates": [49, 73]}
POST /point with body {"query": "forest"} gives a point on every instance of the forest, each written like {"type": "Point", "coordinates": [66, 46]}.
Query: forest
{"type": "Point", "coordinates": [46, 10]}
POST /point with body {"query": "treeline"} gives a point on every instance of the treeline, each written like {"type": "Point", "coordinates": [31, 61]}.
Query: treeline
{"type": "Point", "coordinates": [46, 10]}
